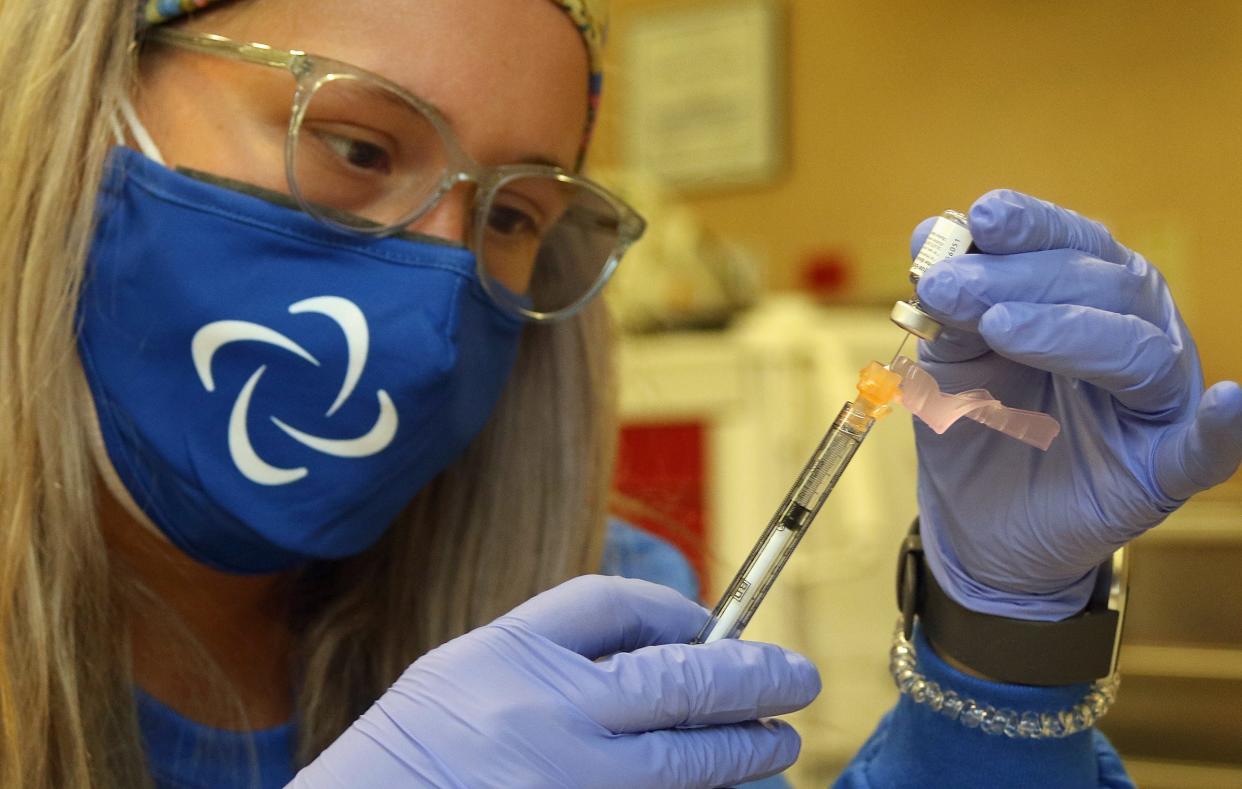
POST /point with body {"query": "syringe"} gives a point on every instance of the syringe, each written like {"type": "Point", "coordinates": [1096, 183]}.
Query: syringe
{"type": "Point", "coordinates": [948, 236]}
{"type": "Point", "coordinates": [876, 388]}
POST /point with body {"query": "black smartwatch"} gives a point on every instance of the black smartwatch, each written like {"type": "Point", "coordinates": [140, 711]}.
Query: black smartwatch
{"type": "Point", "coordinates": [1081, 648]}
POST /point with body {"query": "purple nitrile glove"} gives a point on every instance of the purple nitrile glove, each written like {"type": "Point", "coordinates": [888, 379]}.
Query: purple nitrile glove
{"type": "Point", "coordinates": [582, 686]}
{"type": "Point", "coordinates": [1060, 318]}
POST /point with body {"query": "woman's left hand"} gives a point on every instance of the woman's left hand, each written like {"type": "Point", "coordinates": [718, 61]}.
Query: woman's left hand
{"type": "Point", "coordinates": [1058, 317]}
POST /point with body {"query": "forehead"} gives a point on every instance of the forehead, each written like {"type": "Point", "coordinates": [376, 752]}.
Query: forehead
{"type": "Point", "coordinates": [510, 75]}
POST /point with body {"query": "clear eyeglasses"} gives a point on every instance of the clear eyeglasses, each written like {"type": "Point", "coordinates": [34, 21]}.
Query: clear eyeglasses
{"type": "Point", "coordinates": [364, 155]}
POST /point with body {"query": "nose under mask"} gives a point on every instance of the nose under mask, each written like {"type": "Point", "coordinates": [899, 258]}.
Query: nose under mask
{"type": "Point", "coordinates": [270, 390]}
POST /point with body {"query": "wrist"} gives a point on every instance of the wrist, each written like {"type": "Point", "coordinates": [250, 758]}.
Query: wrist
{"type": "Point", "coordinates": [949, 728]}
{"type": "Point", "coordinates": [956, 664]}
{"type": "Point", "coordinates": [1046, 600]}
{"type": "Point", "coordinates": [1014, 711]}
{"type": "Point", "coordinates": [1079, 648]}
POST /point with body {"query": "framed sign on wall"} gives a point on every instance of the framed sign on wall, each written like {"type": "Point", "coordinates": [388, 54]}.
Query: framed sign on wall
{"type": "Point", "coordinates": [704, 93]}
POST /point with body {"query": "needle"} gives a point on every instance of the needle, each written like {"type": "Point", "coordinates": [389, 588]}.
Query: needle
{"type": "Point", "coordinates": [899, 348]}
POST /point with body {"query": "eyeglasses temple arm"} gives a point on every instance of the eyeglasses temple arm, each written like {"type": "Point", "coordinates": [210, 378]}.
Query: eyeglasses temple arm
{"type": "Point", "coordinates": [260, 54]}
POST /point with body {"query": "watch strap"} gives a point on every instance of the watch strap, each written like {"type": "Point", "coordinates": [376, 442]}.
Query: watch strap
{"type": "Point", "coordinates": [1080, 648]}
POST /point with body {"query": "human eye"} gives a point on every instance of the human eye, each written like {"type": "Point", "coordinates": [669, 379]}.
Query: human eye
{"type": "Point", "coordinates": [353, 149]}
{"type": "Point", "coordinates": [512, 219]}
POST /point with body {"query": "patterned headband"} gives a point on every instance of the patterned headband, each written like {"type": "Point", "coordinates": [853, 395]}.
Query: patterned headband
{"type": "Point", "coordinates": [590, 17]}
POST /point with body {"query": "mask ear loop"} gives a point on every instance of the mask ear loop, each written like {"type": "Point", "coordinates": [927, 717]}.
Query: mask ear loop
{"type": "Point", "coordinates": [118, 134]}
{"type": "Point", "coordinates": [139, 131]}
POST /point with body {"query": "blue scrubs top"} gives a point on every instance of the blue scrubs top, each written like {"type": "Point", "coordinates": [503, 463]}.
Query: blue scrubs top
{"type": "Point", "coordinates": [912, 747]}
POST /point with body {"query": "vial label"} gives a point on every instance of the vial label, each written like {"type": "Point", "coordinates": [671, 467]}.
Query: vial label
{"type": "Point", "coordinates": [946, 239]}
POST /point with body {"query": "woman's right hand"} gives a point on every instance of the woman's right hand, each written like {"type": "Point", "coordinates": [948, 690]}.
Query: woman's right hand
{"type": "Point", "coordinates": [589, 684]}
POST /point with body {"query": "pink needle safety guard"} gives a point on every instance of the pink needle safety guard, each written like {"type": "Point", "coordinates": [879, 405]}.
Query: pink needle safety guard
{"type": "Point", "coordinates": [921, 395]}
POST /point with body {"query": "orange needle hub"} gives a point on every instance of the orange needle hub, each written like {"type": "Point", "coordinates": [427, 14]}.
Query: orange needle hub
{"type": "Point", "coordinates": [877, 387]}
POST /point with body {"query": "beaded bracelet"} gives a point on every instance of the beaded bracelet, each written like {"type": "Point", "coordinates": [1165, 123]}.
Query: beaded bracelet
{"type": "Point", "coordinates": [1030, 725]}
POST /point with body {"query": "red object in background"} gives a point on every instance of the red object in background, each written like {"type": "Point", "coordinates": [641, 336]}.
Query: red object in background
{"type": "Point", "coordinates": [826, 273]}
{"type": "Point", "coordinates": [661, 470]}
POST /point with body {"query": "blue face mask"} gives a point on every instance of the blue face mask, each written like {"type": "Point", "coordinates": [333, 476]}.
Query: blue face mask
{"type": "Point", "coordinates": [270, 390]}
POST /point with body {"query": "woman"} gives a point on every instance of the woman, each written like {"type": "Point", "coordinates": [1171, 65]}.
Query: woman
{"type": "Point", "coordinates": [230, 625]}
{"type": "Point", "coordinates": [340, 395]}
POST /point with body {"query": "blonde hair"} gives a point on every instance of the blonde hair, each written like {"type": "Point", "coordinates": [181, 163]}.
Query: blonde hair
{"type": "Point", "coordinates": [522, 510]}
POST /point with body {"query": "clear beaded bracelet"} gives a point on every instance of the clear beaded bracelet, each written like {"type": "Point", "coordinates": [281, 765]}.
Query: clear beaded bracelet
{"type": "Point", "coordinates": [1029, 725]}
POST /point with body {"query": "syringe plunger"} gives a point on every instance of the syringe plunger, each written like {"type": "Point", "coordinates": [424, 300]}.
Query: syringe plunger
{"type": "Point", "coordinates": [819, 476]}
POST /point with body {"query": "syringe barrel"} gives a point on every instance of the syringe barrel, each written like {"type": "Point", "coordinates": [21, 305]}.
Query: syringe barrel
{"type": "Point", "coordinates": [787, 527]}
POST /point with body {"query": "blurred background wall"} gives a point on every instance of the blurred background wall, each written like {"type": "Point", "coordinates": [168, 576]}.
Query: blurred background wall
{"type": "Point", "coordinates": [1128, 112]}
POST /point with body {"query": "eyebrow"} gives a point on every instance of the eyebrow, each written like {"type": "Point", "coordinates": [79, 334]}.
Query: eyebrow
{"type": "Point", "coordinates": [531, 158]}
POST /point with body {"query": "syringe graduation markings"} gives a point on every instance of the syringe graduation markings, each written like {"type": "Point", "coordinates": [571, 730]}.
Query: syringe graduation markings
{"type": "Point", "coordinates": [877, 387]}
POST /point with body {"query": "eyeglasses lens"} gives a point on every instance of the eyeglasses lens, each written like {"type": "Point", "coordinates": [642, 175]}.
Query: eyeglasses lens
{"type": "Point", "coordinates": [548, 240]}
{"type": "Point", "coordinates": [365, 156]}
{"type": "Point", "coordinates": [365, 153]}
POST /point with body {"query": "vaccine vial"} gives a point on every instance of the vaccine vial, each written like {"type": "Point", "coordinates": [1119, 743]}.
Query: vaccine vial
{"type": "Point", "coordinates": [949, 236]}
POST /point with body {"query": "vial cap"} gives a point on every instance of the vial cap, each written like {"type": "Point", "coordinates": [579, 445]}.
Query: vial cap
{"type": "Point", "coordinates": [910, 317]}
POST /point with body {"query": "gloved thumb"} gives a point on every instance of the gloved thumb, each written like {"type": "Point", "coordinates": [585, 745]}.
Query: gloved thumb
{"type": "Point", "coordinates": [1208, 449]}
{"type": "Point", "coordinates": [598, 615]}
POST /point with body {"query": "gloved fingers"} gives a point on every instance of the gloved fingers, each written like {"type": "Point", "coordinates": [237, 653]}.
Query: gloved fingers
{"type": "Point", "coordinates": [959, 290]}
{"type": "Point", "coordinates": [720, 755]}
{"type": "Point", "coordinates": [1130, 358]}
{"type": "Point", "coordinates": [597, 615]}
{"type": "Point", "coordinates": [726, 681]}
{"type": "Point", "coordinates": [953, 346]}
{"type": "Point", "coordinates": [1003, 222]}
{"type": "Point", "coordinates": [1206, 450]}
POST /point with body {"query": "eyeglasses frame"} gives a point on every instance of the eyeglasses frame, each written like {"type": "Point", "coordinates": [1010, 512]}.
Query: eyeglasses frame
{"type": "Point", "coordinates": [310, 72]}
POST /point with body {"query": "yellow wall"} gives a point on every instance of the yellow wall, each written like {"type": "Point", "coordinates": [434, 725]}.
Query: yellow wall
{"type": "Point", "coordinates": [1129, 112]}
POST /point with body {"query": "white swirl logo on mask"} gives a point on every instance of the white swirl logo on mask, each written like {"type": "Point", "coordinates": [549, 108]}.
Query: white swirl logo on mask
{"type": "Point", "coordinates": [353, 324]}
